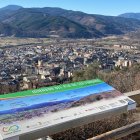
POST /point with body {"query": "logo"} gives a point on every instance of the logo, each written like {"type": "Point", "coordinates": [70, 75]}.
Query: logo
{"type": "Point", "coordinates": [11, 129]}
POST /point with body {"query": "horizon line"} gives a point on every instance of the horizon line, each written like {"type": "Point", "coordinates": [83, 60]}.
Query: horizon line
{"type": "Point", "coordinates": [68, 9]}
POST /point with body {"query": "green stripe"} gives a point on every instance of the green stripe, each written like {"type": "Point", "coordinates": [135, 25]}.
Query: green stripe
{"type": "Point", "coordinates": [52, 89]}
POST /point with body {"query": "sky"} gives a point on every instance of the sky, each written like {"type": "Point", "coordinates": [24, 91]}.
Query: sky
{"type": "Point", "coordinates": [103, 7]}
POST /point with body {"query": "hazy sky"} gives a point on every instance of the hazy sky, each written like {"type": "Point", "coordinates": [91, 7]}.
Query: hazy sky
{"type": "Point", "coordinates": [105, 7]}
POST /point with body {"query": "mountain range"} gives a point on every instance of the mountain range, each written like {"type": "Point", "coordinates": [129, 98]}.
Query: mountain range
{"type": "Point", "coordinates": [46, 22]}
{"type": "Point", "coordinates": [131, 15]}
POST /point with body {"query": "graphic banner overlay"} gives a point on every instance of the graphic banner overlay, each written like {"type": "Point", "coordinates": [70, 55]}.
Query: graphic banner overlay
{"type": "Point", "coordinates": [31, 110]}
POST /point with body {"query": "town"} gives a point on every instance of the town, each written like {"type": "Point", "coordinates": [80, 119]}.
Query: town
{"type": "Point", "coordinates": [33, 66]}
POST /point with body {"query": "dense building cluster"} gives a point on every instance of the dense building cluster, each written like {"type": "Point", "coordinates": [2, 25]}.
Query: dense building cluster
{"type": "Point", "coordinates": [27, 67]}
